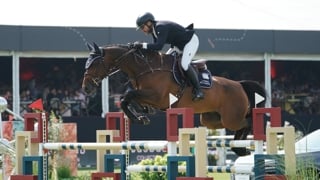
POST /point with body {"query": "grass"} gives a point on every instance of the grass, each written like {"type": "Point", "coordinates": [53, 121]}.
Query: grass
{"type": "Point", "coordinates": [220, 176]}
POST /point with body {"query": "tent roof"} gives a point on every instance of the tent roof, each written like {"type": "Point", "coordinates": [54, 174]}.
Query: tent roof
{"type": "Point", "coordinates": [214, 14]}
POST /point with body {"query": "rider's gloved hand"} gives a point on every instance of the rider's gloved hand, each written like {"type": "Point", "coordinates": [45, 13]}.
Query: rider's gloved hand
{"type": "Point", "coordinates": [135, 45]}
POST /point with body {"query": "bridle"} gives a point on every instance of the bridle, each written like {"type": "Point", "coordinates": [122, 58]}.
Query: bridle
{"type": "Point", "coordinates": [118, 61]}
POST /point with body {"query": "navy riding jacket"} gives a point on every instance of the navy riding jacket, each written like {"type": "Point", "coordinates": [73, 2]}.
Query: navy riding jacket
{"type": "Point", "coordinates": [167, 32]}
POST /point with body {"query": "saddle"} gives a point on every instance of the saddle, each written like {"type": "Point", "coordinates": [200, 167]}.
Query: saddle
{"type": "Point", "coordinates": [204, 75]}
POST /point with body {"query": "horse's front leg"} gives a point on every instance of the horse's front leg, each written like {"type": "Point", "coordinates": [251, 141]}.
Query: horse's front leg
{"type": "Point", "coordinates": [133, 109]}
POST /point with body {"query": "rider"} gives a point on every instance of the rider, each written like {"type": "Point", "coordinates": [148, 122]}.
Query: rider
{"type": "Point", "coordinates": [180, 38]}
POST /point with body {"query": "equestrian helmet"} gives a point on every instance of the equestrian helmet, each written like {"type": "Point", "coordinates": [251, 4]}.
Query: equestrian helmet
{"type": "Point", "coordinates": [142, 19]}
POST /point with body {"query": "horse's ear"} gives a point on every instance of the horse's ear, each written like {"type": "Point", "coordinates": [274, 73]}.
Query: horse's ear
{"type": "Point", "coordinates": [96, 48]}
{"type": "Point", "coordinates": [89, 46]}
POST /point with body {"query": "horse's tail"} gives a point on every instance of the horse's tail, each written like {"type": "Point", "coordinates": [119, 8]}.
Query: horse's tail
{"type": "Point", "coordinates": [252, 87]}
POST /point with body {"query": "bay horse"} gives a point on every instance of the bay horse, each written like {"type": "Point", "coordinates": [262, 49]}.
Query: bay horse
{"type": "Point", "coordinates": [227, 103]}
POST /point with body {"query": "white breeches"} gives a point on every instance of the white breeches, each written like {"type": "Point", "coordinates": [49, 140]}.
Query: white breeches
{"type": "Point", "coordinates": [189, 51]}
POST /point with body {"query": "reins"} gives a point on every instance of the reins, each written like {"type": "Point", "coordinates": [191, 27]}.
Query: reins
{"type": "Point", "coordinates": [112, 70]}
{"type": "Point", "coordinates": [118, 61]}
{"type": "Point", "coordinates": [121, 59]}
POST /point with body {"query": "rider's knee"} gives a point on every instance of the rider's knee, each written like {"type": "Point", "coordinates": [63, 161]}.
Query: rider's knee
{"type": "Point", "coordinates": [185, 65]}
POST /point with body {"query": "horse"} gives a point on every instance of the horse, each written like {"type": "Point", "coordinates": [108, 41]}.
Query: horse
{"type": "Point", "coordinates": [153, 76]}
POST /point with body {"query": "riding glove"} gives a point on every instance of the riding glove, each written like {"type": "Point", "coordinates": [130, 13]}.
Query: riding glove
{"type": "Point", "coordinates": [136, 45]}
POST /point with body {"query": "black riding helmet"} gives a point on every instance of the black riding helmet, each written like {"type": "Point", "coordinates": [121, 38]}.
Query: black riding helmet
{"type": "Point", "coordinates": [141, 20]}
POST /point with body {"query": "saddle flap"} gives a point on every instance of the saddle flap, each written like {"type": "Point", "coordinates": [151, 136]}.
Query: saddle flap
{"type": "Point", "coordinates": [204, 75]}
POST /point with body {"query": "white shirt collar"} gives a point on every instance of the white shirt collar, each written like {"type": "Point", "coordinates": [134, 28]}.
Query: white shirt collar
{"type": "Point", "coordinates": [154, 32]}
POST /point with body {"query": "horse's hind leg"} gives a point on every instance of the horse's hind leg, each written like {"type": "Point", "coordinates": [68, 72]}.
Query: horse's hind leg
{"type": "Point", "coordinates": [212, 120]}
{"type": "Point", "coordinates": [241, 135]}
{"type": "Point", "coordinates": [233, 119]}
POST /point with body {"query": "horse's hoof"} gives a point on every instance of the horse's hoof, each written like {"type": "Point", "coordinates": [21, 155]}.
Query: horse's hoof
{"type": "Point", "coordinates": [149, 110]}
{"type": "Point", "coordinates": [144, 120]}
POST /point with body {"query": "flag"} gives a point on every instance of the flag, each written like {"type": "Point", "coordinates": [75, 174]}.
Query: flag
{"type": "Point", "coordinates": [37, 105]}
{"type": "Point", "coordinates": [258, 98]}
{"type": "Point", "coordinates": [172, 99]}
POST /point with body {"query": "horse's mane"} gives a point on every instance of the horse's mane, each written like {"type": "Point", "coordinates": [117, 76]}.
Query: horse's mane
{"type": "Point", "coordinates": [127, 47]}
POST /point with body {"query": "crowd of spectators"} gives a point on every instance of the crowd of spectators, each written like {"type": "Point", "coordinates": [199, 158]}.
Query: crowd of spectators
{"type": "Point", "coordinates": [296, 97]}
{"type": "Point", "coordinates": [60, 90]}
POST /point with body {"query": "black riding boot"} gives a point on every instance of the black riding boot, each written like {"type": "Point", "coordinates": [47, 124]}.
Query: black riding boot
{"type": "Point", "coordinates": [193, 77]}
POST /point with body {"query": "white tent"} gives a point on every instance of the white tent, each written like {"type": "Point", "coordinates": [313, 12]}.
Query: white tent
{"type": "Point", "coordinates": [213, 14]}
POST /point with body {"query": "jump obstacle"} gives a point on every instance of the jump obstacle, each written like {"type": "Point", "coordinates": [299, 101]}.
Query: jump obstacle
{"type": "Point", "coordinates": [196, 164]}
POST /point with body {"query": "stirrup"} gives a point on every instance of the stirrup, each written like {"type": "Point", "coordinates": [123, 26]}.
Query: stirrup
{"type": "Point", "coordinates": [198, 96]}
